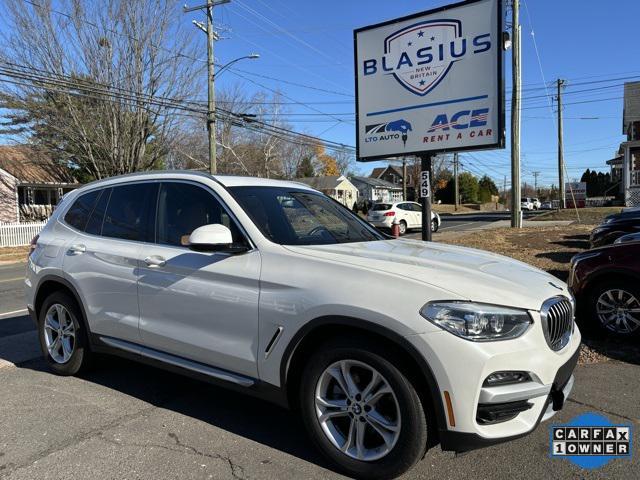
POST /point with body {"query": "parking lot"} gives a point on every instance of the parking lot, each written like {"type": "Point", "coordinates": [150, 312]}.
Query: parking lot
{"type": "Point", "coordinates": [125, 420]}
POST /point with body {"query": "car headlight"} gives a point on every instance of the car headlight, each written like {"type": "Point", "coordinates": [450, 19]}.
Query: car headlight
{"type": "Point", "coordinates": [477, 322]}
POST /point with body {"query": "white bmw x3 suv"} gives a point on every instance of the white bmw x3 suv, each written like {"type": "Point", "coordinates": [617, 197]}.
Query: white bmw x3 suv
{"type": "Point", "coordinates": [384, 346]}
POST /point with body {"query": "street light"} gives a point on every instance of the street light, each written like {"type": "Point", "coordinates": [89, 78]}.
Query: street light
{"type": "Point", "coordinates": [251, 56]}
{"type": "Point", "coordinates": [212, 36]}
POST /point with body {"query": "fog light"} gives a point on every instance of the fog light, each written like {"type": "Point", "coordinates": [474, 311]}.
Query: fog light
{"type": "Point", "coordinates": [506, 378]}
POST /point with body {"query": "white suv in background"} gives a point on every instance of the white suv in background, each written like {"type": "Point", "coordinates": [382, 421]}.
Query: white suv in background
{"type": "Point", "coordinates": [526, 203]}
{"type": "Point", "coordinates": [274, 289]}
{"type": "Point", "coordinates": [408, 214]}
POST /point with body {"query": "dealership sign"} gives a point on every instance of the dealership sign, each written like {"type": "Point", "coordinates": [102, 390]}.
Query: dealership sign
{"type": "Point", "coordinates": [431, 82]}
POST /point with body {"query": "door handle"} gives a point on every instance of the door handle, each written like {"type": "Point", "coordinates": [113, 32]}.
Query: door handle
{"type": "Point", "coordinates": [77, 249]}
{"type": "Point", "coordinates": [155, 261]}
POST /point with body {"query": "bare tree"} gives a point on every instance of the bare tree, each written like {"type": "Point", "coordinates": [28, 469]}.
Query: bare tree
{"type": "Point", "coordinates": [101, 88]}
{"type": "Point", "coordinates": [251, 137]}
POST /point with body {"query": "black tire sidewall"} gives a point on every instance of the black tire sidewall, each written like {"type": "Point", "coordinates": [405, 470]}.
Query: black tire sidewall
{"type": "Point", "coordinates": [81, 354]}
{"type": "Point", "coordinates": [400, 229]}
{"type": "Point", "coordinates": [412, 443]}
{"type": "Point", "coordinates": [595, 293]}
{"type": "Point", "coordinates": [434, 225]}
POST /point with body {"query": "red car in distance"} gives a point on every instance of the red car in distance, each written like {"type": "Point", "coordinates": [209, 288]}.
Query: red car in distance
{"type": "Point", "coordinates": [606, 284]}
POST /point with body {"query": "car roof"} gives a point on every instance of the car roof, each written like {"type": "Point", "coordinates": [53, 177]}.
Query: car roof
{"type": "Point", "coordinates": [224, 180]}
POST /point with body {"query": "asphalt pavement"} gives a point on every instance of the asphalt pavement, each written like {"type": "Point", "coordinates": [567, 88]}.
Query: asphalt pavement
{"type": "Point", "coordinates": [471, 221]}
{"type": "Point", "coordinates": [11, 287]}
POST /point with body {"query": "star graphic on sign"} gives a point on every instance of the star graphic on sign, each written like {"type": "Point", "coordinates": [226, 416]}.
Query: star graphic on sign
{"type": "Point", "coordinates": [433, 38]}
{"type": "Point", "coordinates": [421, 33]}
{"type": "Point", "coordinates": [409, 44]}
{"type": "Point", "coordinates": [422, 82]}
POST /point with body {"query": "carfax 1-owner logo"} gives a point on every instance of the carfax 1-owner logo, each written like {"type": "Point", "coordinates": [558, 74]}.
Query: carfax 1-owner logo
{"type": "Point", "coordinates": [591, 441]}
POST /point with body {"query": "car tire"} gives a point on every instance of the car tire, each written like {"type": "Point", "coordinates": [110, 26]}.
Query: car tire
{"type": "Point", "coordinates": [383, 455]}
{"type": "Point", "coordinates": [434, 225]}
{"type": "Point", "coordinates": [609, 304]}
{"type": "Point", "coordinates": [63, 336]}
{"type": "Point", "coordinates": [403, 227]}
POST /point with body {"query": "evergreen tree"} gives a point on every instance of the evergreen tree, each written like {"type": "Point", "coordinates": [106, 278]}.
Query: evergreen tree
{"type": "Point", "coordinates": [486, 188]}
{"type": "Point", "coordinates": [305, 169]}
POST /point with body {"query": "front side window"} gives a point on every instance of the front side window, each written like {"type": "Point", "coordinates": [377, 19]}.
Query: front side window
{"type": "Point", "coordinates": [183, 207]}
{"type": "Point", "coordinates": [78, 215]}
{"type": "Point", "coordinates": [129, 210]}
{"type": "Point", "coordinates": [298, 217]}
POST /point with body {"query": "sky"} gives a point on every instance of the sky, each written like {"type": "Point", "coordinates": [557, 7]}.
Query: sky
{"type": "Point", "coordinates": [311, 44]}
{"type": "Point", "coordinates": [306, 53]}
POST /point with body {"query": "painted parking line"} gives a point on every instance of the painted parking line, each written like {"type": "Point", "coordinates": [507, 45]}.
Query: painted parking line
{"type": "Point", "coordinates": [22, 311]}
{"type": "Point", "coordinates": [15, 279]}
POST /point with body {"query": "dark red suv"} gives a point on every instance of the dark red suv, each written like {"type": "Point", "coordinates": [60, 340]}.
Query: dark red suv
{"type": "Point", "coordinates": [606, 284]}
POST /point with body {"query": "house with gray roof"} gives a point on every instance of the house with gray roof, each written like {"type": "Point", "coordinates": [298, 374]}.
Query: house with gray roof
{"type": "Point", "coordinates": [375, 190]}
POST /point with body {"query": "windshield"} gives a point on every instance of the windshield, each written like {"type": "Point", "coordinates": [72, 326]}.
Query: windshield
{"type": "Point", "coordinates": [299, 217]}
{"type": "Point", "coordinates": [381, 206]}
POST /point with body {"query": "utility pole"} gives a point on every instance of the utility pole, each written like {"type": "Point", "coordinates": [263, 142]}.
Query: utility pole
{"type": "Point", "coordinates": [212, 36]}
{"type": "Point", "coordinates": [561, 192]}
{"type": "Point", "coordinates": [456, 195]}
{"type": "Point", "coordinates": [516, 212]}
{"type": "Point", "coordinates": [404, 179]}
{"type": "Point", "coordinates": [535, 181]}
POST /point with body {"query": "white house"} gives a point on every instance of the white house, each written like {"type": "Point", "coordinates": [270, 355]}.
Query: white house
{"type": "Point", "coordinates": [374, 190]}
{"type": "Point", "coordinates": [337, 187]}
{"type": "Point", "coordinates": [630, 150]}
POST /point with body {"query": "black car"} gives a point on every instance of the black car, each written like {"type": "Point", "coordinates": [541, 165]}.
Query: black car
{"type": "Point", "coordinates": [606, 285]}
{"type": "Point", "coordinates": [613, 227]}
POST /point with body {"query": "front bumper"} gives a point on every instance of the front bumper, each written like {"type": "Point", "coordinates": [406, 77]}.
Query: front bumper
{"type": "Point", "coordinates": [467, 366]}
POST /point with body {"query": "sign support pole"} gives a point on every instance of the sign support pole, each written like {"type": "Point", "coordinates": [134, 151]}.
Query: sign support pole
{"type": "Point", "coordinates": [516, 211]}
{"type": "Point", "coordinates": [425, 194]}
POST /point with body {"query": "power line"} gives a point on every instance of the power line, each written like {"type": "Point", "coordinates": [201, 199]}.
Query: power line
{"type": "Point", "coordinates": [61, 84]}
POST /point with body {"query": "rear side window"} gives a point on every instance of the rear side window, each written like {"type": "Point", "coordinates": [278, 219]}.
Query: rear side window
{"type": "Point", "coordinates": [128, 212]}
{"type": "Point", "coordinates": [79, 213]}
{"type": "Point", "coordinates": [183, 207]}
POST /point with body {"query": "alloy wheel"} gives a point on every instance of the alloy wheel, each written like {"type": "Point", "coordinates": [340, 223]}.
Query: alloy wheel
{"type": "Point", "coordinates": [357, 410]}
{"type": "Point", "coordinates": [59, 333]}
{"type": "Point", "coordinates": [619, 311]}
{"type": "Point", "coordinates": [402, 227]}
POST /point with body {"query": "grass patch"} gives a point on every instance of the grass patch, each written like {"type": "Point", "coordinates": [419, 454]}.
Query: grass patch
{"type": "Point", "coordinates": [588, 216]}
{"type": "Point", "coordinates": [13, 254]}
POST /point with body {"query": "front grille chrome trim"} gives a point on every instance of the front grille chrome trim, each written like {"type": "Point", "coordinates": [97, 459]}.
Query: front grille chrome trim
{"type": "Point", "coordinates": [557, 316]}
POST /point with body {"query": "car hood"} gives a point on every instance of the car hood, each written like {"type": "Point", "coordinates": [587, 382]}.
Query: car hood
{"type": "Point", "coordinates": [471, 274]}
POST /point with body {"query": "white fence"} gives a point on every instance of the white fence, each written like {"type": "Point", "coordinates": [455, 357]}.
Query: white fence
{"type": "Point", "coordinates": [16, 234]}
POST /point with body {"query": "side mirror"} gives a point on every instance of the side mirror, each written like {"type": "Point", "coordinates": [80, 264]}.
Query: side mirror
{"type": "Point", "coordinates": [210, 238]}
